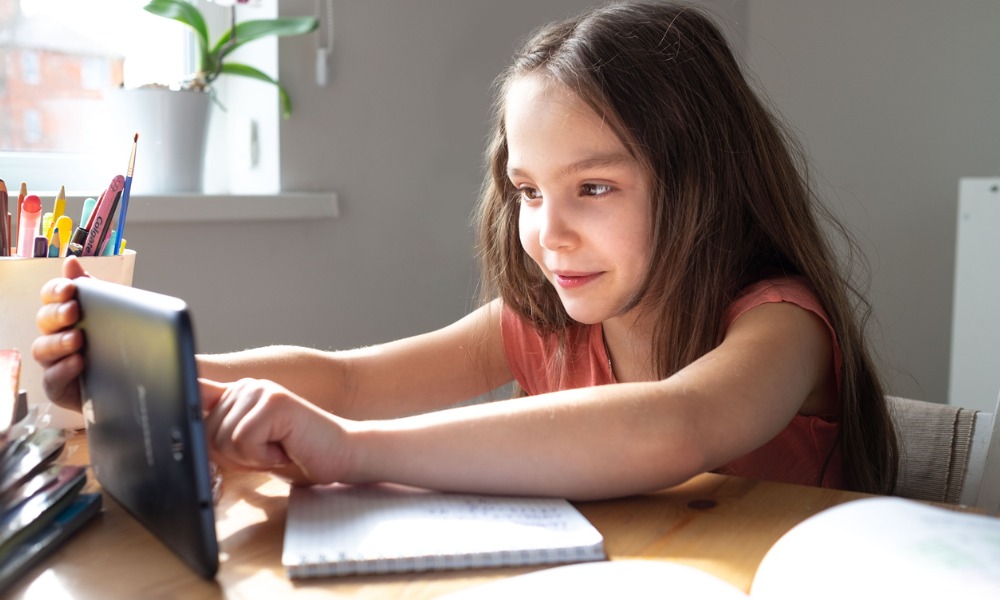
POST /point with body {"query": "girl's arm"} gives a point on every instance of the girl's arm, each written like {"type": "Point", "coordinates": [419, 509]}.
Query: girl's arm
{"type": "Point", "coordinates": [408, 376]}
{"type": "Point", "coordinates": [586, 443]}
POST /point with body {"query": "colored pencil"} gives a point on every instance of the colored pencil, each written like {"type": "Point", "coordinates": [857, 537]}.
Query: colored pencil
{"type": "Point", "coordinates": [4, 225]}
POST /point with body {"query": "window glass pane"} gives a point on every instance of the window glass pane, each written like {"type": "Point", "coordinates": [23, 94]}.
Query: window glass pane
{"type": "Point", "coordinates": [29, 68]}
{"type": "Point", "coordinates": [59, 57]}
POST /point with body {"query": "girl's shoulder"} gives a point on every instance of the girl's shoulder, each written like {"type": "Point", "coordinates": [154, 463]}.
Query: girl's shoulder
{"type": "Point", "coordinates": [792, 289]}
{"type": "Point", "coordinates": [787, 288]}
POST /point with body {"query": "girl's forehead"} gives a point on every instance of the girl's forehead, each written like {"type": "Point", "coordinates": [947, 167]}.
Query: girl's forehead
{"type": "Point", "coordinates": [535, 91]}
{"type": "Point", "coordinates": [541, 108]}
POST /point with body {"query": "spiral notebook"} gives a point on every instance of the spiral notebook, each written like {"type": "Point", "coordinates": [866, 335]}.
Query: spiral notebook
{"type": "Point", "coordinates": [347, 530]}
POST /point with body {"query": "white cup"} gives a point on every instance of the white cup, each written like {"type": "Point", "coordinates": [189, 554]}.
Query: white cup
{"type": "Point", "coordinates": [21, 281]}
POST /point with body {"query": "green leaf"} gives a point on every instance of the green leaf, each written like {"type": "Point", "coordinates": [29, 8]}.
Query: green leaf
{"type": "Point", "coordinates": [187, 14]}
{"type": "Point", "coordinates": [248, 31]}
{"type": "Point", "coordinates": [252, 73]}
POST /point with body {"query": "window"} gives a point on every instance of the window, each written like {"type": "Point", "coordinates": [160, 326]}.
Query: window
{"type": "Point", "coordinates": [32, 123]}
{"type": "Point", "coordinates": [30, 71]}
{"type": "Point", "coordinates": [95, 73]}
{"type": "Point", "coordinates": [59, 59]}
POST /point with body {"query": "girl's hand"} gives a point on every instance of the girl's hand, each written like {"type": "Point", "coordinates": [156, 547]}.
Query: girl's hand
{"type": "Point", "coordinates": [57, 350]}
{"type": "Point", "coordinates": [254, 424]}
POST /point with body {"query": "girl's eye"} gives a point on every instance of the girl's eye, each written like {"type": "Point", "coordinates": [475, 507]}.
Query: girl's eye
{"type": "Point", "coordinates": [595, 189]}
{"type": "Point", "coordinates": [528, 193]}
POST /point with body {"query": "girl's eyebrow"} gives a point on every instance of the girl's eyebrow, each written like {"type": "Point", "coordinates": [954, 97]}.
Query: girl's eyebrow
{"type": "Point", "coordinates": [613, 159]}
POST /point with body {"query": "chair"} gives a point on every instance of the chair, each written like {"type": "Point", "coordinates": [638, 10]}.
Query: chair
{"type": "Point", "coordinates": [947, 453]}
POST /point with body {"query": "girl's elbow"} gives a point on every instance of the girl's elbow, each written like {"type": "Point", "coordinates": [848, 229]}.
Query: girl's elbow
{"type": "Point", "coordinates": [664, 461]}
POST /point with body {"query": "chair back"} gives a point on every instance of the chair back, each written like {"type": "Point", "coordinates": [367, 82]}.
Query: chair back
{"type": "Point", "coordinates": [948, 453]}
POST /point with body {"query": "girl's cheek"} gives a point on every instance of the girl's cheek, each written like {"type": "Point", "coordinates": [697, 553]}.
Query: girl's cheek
{"type": "Point", "coordinates": [525, 231]}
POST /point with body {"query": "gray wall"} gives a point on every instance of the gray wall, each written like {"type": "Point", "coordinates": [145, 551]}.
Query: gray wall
{"type": "Point", "coordinates": [895, 100]}
{"type": "Point", "coordinates": [399, 135]}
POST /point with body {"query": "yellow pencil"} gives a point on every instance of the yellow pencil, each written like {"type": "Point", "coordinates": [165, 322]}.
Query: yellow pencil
{"type": "Point", "coordinates": [57, 212]}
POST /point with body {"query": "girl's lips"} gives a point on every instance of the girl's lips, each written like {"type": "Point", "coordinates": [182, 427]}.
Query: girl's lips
{"type": "Point", "coordinates": [565, 280]}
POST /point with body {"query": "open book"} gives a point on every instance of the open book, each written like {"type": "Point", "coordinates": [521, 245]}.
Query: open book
{"type": "Point", "coordinates": [343, 530]}
{"type": "Point", "coordinates": [871, 548]}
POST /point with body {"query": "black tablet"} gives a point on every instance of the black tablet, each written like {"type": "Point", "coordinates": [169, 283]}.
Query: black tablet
{"type": "Point", "coordinates": [142, 411]}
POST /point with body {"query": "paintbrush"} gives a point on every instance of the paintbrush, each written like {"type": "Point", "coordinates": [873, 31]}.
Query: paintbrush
{"type": "Point", "coordinates": [120, 232]}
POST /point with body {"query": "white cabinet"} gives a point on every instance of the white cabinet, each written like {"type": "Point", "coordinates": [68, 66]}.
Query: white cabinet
{"type": "Point", "coordinates": [975, 337]}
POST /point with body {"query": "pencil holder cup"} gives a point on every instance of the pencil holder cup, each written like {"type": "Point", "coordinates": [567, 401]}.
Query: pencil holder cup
{"type": "Point", "coordinates": [21, 281]}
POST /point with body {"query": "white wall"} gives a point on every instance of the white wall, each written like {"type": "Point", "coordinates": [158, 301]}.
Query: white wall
{"type": "Point", "coordinates": [895, 99]}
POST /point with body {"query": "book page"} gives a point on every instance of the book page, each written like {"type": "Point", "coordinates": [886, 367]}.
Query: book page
{"type": "Point", "coordinates": [884, 547]}
{"type": "Point", "coordinates": [631, 579]}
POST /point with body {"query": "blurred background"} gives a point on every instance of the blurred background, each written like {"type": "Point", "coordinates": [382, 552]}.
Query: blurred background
{"type": "Point", "coordinates": [894, 101]}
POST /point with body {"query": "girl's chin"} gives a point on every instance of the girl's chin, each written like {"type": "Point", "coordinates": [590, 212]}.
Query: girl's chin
{"type": "Point", "coordinates": [585, 315]}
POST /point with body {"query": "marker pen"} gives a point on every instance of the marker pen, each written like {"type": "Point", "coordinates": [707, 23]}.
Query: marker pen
{"type": "Point", "coordinates": [75, 246]}
{"type": "Point", "coordinates": [104, 231]}
{"type": "Point", "coordinates": [27, 226]}
{"type": "Point", "coordinates": [65, 225]}
{"type": "Point", "coordinates": [102, 216]}
{"type": "Point", "coordinates": [47, 222]}
{"type": "Point", "coordinates": [109, 246]}
{"type": "Point", "coordinates": [41, 247]}
{"type": "Point", "coordinates": [88, 210]}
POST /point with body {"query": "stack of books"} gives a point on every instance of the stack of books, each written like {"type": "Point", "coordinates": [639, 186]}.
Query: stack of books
{"type": "Point", "coordinates": [41, 499]}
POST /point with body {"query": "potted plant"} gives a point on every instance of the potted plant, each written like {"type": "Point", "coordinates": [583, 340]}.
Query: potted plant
{"type": "Point", "coordinates": [173, 121]}
{"type": "Point", "coordinates": [213, 59]}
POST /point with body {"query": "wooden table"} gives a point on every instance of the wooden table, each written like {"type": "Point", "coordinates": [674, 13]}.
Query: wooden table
{"type": "Point", "coordinates": [722, 525]}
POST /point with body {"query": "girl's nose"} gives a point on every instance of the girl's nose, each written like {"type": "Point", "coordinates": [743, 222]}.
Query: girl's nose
{"type": "Point", "coordinates": [555, 228]}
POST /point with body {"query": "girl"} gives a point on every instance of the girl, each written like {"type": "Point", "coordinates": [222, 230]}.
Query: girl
{"type": "Point", "coordinates": [659, 284]}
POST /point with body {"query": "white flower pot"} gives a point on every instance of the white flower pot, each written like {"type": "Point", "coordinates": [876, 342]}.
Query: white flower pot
{"type": "Point", "coordinates": [173, 130]}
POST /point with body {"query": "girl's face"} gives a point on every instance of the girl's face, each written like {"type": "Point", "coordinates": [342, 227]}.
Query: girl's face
{"type": "Point", "coordinates": [584, 215]}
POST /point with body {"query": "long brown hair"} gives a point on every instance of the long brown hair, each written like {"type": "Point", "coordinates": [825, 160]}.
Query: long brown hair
{"type": "Point", "coordinates": [730, 205]}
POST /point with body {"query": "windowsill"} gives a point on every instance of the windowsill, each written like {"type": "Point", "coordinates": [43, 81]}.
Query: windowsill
{"type": "Point", "coordinates": [199, 208]}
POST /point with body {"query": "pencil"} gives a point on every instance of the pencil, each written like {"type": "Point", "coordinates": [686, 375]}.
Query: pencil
{"type": "Point", "coordinates": [57, 212]}
{"type": "Point", "coordinates": [4, 227]}
{"type": "Point", "coordinates": [120, 232]}
{"type": "Point", "coordinates": [54, 244]}
{"type": "Point", "coordinates": [20, 201]}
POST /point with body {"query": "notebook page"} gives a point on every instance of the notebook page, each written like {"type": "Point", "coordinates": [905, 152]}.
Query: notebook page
{"type": "Point", "coordinates": [345, 529]}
